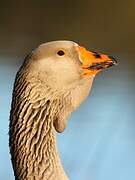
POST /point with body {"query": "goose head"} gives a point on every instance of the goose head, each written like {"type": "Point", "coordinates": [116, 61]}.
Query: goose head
{"type": "Point", "coordinates": [63, 64]}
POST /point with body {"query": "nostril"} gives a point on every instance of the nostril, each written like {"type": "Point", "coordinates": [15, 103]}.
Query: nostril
{"type": "Point", "coordinates": [113, 59]}
{"type": "Point", "coordinates": [97, 55]}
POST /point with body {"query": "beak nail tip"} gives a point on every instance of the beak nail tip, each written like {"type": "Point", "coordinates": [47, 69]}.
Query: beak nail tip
{"type": "Point", "coordinates": [114, 61]}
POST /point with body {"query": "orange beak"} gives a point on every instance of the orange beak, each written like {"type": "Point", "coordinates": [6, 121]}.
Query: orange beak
{"type": "Point", "coordinates": [93, 62]}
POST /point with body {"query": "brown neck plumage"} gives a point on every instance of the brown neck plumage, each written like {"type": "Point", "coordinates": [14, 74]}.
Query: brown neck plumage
{"type": "Point", "coordinates": [32, 135]}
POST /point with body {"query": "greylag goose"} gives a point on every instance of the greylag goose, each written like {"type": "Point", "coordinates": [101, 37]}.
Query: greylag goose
{"type": "Point", "coordinates": [52, 82]}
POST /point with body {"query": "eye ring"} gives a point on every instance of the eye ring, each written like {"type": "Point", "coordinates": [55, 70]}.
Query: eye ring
{"type": "Point", "coordinates": [60, 52]}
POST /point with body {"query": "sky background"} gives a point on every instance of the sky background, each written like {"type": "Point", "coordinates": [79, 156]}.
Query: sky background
{"type": "Point", "coordinates": [99, 142]}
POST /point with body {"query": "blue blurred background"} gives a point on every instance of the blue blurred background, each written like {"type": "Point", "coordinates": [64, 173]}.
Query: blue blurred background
{"type": "Point", "coordinates": [99, 142]}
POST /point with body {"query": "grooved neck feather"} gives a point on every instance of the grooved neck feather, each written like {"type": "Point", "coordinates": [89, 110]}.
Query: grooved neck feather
{"type": "Point", "coordinates": [32, 134]}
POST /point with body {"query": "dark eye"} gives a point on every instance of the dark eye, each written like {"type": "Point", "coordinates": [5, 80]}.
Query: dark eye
{"type": "Point", "coordinates": [61, 53]}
